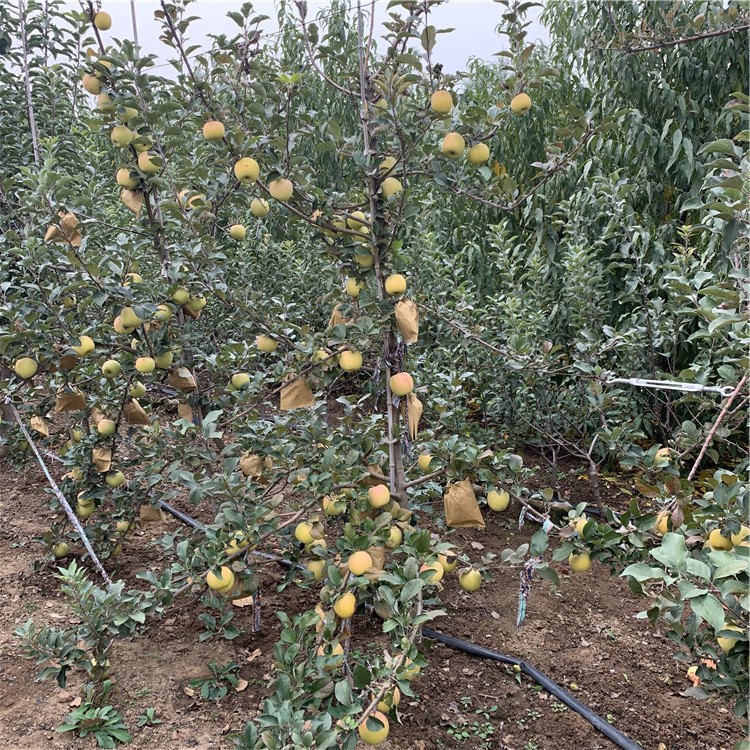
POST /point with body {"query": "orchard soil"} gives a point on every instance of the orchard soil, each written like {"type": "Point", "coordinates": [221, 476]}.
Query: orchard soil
{"type": "Point", "coordinates": [583, 635]}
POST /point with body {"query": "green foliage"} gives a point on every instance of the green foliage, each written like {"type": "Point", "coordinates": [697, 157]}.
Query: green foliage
{"type": "Point", "coordinates": [216, 686]}
{"type": "Point", "coordinates": [103, 723]}
{"type": "Point", "coordinates": [103, 615]}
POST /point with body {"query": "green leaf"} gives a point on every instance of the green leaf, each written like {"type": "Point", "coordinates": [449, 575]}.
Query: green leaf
{"type": "Point", "coordinates": [643, 572]}
{"type": "Point", "coordinates": [539, 543]}
{"type": "Point", "coordinates": [731, 568]}
{"type": "Point", "coordinates": [709, 608]}
{"type": "Point", "coordinates": [343, 692]}
{"type": "Point", "coordinates": [673, 551]}
{"type": "Point", "coordinates": [411, 589]}
{"type": "Point", "coordinates": [428, 38]}
{"type": "Point", "coordinates": [698, 568]}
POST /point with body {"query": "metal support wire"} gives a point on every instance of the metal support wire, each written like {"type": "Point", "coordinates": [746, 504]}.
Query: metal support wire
{"type": "Point", "coordinates": [672, 385]}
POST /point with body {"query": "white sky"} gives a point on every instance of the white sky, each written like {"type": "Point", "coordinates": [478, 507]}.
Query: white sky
{"type": "Point", "coordinates": [474, 22]}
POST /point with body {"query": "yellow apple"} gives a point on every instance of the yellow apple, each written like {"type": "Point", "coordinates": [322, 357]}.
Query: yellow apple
{"type": "Point", "coordinates": [479, 153]}
{"type": "Point", "coordinates": [221, 581]}
{"type": "Point", "coordinates": [345, 606]}
{"type": "Point", "coordinates": [453, 145]}
{"type": "Point", "coordinates": [717, 541]}
{"type": "Point", "coordinates": [449, 561]}
{"type": "Point", "coordinates": [137, 389]}
{"type": "Point", "coordinates": [132, 278]}
{"type": "Point", "coordinates": [401, 383]}
{"type": "Point", "coordinates": [164, 361]}
{"type": "Point", "coordinates": [387, 165]}
{"type": "Point", "coordinates": [121, 136]}
{"type": "Point", "coordinates": [237, 232]}
{"type": "Point", "coordinates": [114, 478]}
{"type": "Point", "coordinates": [317, 568]}
{"type": "Point", "coordinates": [662, 522]}
{"type": "Point", "coordinates": [149, 163]}
{"type": "Point", "coordinates": [196, 200]}
{"type": "Point", "coordinates": [359, 563]}
{"type": "Point", "coordinates": [120, 327]}
{"type": "Point", "coordinates": [302, 533]}
{"type": "Point", "coordinates": [395, 537]}
{"type": "Point", "coordinates": [213, 130]}
{"type": "Point", "coordinates": [240, 380]}
{"type": "Point", "coordinates": [106, 427]}
{"type": "Point", "coordinates": [357, 220]}
{"type": "Point", "coordinates": [141, 143]}
{"type": "Point", "coordinates": [163, 313]}
{"type": "Point", "coordinates": [259, 207]}
{"type": "Point", "coordinates": [102, 21]}
{"type": "Point", "coordinates": [437, 572]}
{"type": "Point", "coordinates": [281, 189]}
{"type": "Point", "coordinates": [196, 303]}
{"type": "Point", "coordinates": [470, 580]}
{"type": "Point", "coordinates": [374, 729]}
{"type": "Point", "coordinates": [145, 365]}
{"type": "Point", "coordinates": [129, 318]}
{"type": "Point", "coordinates": [441, 102]}
{"type": "Point", "coordinates": [126, 114]}
{"type": "Point", "coordinates": [520, 104]}
{"type": "Point", "coordinates": [85, 347]}
{"type": "Point", "coordinates": [498, 501]}
{"type": "Point", "coordinates": [410, 669]}
{"type": "Point", "coordinates": [390, 186]}
{"type": "Point", "coordinates": [354, 287]}
{"type": "Point", "coordinates": [104, 103]}
{"type": "Point", "coordinates": [84, 511]}
{"type": "Point", "coordinates": [395, 284]}
{"type": "Point", "coordinates": [91, 83]}
{"type": "Point", "coordinates": [424, 462]}
{"type": "Point", "coordinates": [246, 170]}
{"type": "Point", "coordinates": [266, 343]}
{"type": "Point", "coordinates": [364, 261]}
{"type": "Point", "coordinates": [333, 506]}
{"type": "Point", "coordinates": [580, 563]}
{"type": "Point", "coordinates": [391, 699]}
{"type": "Point", "coordinates": [26, 367]}
{"type": "Point", "coordinates": [350, 361]}
{"type": "Point", "coordinates": [111, 368]}
{"type": "Point", "coordinates": [61, 549]}
{"type": "Point", "coordinates": [180, 295]}
{"type": "Point", "coordinates": [378, 496]}
{"type": "Point", "coordinates": [738, 538]}
{"type": "Point", "coordinates": [726, 644]}
{"type": "Point", "coordinates": [334, 654]}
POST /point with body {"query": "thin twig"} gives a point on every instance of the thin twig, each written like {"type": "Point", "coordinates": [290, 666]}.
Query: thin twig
{"type": "Point", "coordinates": [715, 426]}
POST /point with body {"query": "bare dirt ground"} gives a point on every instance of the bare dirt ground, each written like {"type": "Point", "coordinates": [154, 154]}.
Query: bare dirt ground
{"type": "Point", "coordinates": [582, 635]}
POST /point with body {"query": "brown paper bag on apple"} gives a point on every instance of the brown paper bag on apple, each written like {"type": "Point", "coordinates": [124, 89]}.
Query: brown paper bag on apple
{"type": "Point", "coordinates": [407, 318]}
{"type": "Point", "coordinates": [461, 507]}
{"type": "Point", "coordinates": [296, 395]}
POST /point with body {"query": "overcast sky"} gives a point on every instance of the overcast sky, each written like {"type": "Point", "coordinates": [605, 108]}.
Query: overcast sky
{"type": "Point", "coordinates": [474, 22]}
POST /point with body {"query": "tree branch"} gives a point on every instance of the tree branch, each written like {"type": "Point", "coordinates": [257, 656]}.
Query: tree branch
{"type": "Point", "coordinates": [681, 40]}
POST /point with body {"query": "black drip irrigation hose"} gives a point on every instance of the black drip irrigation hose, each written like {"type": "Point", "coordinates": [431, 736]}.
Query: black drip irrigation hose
{"type": "Point", "coordinates": [180, 516]}
{"type": "Point", "coordinates": [483, 653]}
{"type": "Point", "coordinates": [541, 679]}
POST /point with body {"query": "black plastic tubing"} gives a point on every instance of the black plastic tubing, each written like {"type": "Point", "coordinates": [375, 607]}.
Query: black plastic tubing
{"type": "Point", "coordinates": [541, 679]}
